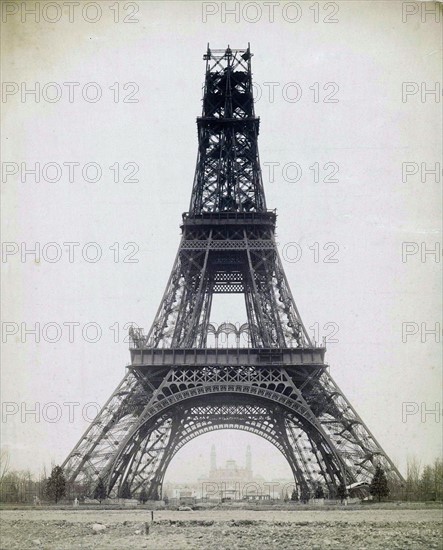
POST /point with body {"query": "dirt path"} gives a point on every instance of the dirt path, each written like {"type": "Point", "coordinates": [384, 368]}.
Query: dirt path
{"type": "Point", "coordinates": [236, 529]}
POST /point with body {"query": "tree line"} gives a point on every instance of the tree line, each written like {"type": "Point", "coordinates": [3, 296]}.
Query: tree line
{"type": "Point", "coordinates": [422, 484]}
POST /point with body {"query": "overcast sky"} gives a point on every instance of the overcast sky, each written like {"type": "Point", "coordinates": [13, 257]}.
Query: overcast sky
{"type": "Point", "coordinates": [362, 61]}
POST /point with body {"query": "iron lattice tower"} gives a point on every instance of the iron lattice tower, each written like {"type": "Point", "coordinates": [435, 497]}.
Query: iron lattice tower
{"type": "Point", "coordinates": [274, 382]}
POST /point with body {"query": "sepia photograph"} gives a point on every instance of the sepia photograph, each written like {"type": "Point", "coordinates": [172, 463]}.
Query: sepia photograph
{"type": "Point", "coordinates": [221, 264]}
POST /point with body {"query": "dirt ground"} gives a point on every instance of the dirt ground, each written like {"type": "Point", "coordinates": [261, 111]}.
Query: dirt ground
{"type": "Point", "coordinates": [221, 529]}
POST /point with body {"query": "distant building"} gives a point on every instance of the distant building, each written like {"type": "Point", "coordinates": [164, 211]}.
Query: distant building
{"type": "Point", "coordinates": [228, 483]}
{"type": "Point", "coordinates": [233, 482]}
{"type": "Point", "coordinates": [187, 497]}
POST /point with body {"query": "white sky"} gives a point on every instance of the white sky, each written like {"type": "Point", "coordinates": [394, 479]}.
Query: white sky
{"type": "Point", "coordinates": [369, 213]}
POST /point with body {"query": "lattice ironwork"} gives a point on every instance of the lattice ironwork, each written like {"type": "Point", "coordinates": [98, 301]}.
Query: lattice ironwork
{"type": "Point", "coordinates": [274, 383]}
{"type": "Point", "coordinates": [228, 176]}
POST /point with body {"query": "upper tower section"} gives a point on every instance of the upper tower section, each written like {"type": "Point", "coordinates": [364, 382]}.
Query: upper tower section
{"type": "Point", "coordinates": [228, 176]}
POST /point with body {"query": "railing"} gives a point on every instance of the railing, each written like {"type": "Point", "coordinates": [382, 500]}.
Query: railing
{"type": "Point", "coordinates": [226, 216]}
{"type": "Point", "coordinates": [232, 357]}
{"type": "Point", "coordinates": [224, 336]}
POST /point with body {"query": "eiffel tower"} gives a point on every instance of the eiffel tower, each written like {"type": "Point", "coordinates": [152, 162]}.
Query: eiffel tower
{"type": "Point", "coordinates": [181, 382]}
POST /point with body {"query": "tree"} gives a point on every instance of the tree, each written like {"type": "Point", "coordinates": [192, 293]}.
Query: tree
{"type": "Point", "coordinates": [100, 490]}
{"type": "Point", "coordinates": [305, 494]}
{"type": "Point", "coordinates": [143, 496]}
{"type": "Point", "coordinates": [9, 490]}
{"type": "Point", "coordinates": [342, 492]}
{"type": "Point", "coordinates": [286, 497]}
{"type": "Point", "coordinates": [294, 495]}
{"type": "Point", "coordinates": [319, 493]}
{"type": "Point", "coordinates": [379, 484]}
{"type": "Point", "coordinates": [4, 464]}
{"type": "Point", "coordinates": [427, 485]}
{"type": "Point", "coordinates": [413, 478]}
{"type": "Point", "coordinates": [56, 484]}
{"type": "Point", "coordinates": [438, 478]}
{"type": "Point", "coordinates": [424, 483]}
{"type": "Point", "coordinates": [125, 491]}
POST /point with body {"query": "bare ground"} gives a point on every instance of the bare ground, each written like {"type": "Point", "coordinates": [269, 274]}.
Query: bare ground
{"type": "Point", "coordinates": [221, 529]}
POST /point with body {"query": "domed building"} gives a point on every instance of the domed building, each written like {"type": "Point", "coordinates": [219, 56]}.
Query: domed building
{"type": "Point", "coordinates": [230, 482]}
{"type": "Point", "coordinates": [233, 482]}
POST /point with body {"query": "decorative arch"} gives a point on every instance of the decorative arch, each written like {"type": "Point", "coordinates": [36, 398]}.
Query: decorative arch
{"type": "Point", "coordinates": [243, 334]}
{"type": "Point", "coordinates": [297, 474]}
{"type": "Point", "coordinates": [145, 454]}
